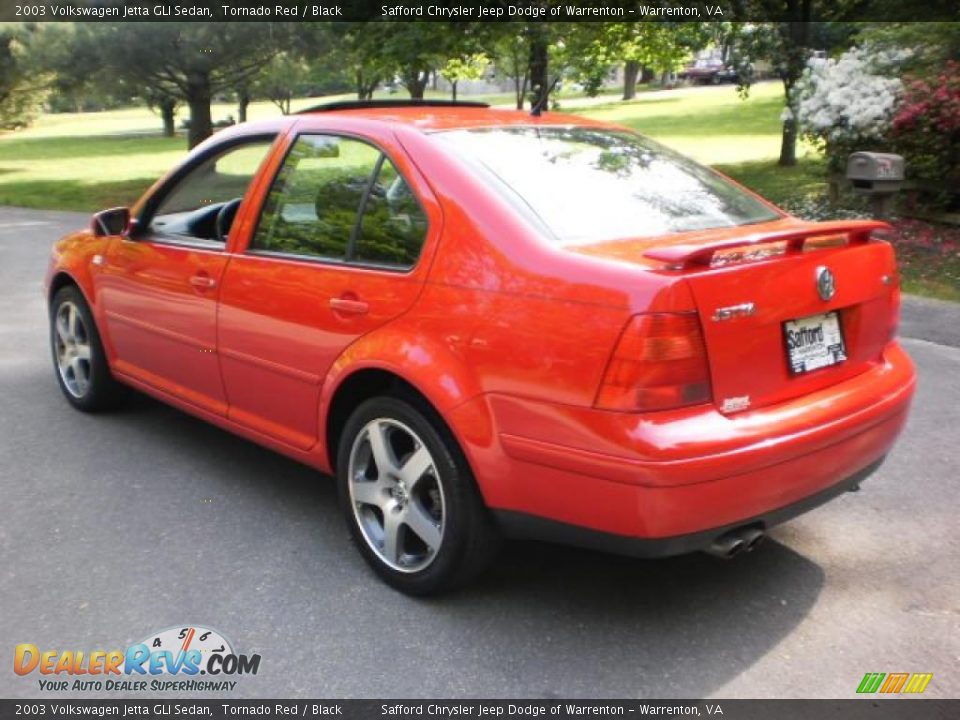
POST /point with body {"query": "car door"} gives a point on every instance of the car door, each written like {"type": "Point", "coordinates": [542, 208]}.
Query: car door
{"type": "Point", "coordinates": [160, 285]}
{"type": "Point", "coordinates": [333, 256]}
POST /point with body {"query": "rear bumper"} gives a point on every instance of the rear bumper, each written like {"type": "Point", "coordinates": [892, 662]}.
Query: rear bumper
{"type": "Point", "coordinates": [672, 481]}
{"type": "Point", "coordinates": [533, 527]}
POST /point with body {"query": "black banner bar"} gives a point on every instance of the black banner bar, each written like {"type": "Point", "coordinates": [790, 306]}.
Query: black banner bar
{"type": "Point", "coordinates": [859, 709]}
{"type": "Point", "coordinates": [462, 11]}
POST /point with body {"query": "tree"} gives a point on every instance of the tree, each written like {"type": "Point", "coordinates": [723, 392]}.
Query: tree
{"type": "Point", "coordinates": [463, 67]}
{"type": "Point", "coordinates": [586, 52]}
{"type": "Point", "coordinates": [355, 47]}
{"type": "Point", "coordinates": [73, 57]}
{"type": "Point", "coordinates": [660, 47]}
{"type": "Point", "coordinates": [413, 50]}
{"type": "Point", "coordinates": [932, 44]}
{"type": "Point", "coordinates": [530, 54]}
{"type": "Point", "coordinates": [284, 77]}
{"type": "Point", "coordinates": [165, 103]}
{"type": "Point", "coordinates": [71, 66]}
{"type": "Point", "coordinates": [538, 42]}
{"type": "Point", "coordinates": [787, 44]}
{"type": "Point", "coordinates": [192, 61]}
{"type": "Point", "coordinates": [21, 91]}
{"type": "Point", "coordinates": [511, 51]}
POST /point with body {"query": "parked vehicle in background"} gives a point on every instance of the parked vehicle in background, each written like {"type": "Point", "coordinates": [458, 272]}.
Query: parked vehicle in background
{"type": "Point", "coordinates": [486, 323]}
{"type": "Point", "coordinates": [708, 73]}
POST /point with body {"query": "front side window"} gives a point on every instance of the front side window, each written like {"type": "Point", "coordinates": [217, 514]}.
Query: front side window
{"type": "Point", "coordinates": [341, 199]}
{"type": "Point", "coordinates": [588, 185]}
{"type": "Point", "coordinates": [212, 189]}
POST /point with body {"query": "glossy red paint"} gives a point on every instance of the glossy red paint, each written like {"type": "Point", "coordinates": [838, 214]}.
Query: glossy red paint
{"type": "Point", "coordinates": [509, 338]}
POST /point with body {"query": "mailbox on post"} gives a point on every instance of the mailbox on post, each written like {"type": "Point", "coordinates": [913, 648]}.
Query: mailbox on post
{"type": "Point", "coordinates": [871, 173]}
{"type": "Point", "coordinates": [877, 175]}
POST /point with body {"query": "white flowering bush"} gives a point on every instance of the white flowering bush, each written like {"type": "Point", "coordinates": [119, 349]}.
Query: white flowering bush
{"type": "Point", "coordinates": [847, 103]}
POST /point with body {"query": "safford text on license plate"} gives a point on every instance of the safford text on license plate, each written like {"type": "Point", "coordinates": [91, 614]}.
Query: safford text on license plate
{"type": "Point", "coordinates": [814, 342]}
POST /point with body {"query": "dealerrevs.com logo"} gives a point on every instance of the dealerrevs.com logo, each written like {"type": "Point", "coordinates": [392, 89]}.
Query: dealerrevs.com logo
{"type": "Point", "coordinates": [172, 659]}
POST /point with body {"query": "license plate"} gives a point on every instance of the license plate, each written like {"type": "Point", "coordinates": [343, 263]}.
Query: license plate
{"type": "Point", "coordinates": [814, 342]}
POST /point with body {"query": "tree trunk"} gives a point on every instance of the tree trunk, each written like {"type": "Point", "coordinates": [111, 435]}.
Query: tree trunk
{"type": "Point", "coordinates": [416, 83]}
{"type": "Point", "coordinates": [539, 70]}
{"type": "Point", "coordinates": [797, 41]}
{"type": "Point", "coordinates": [520, 89]}
{"type": "Point", "coordinates": [168, 110]}
{"type": "Point", "coordinates": [198, 99]}
{"type": "Point", "coordinates": [788, 144]}
{"type": "Point", "coordinates": [365, 87]}
{"type": "Point", "coordinates": [630, 72]}
{"type": "Point", "coordinates": [453, 87]}
{"type": "Point", "coordinates": [243, 102]}
{"type": "Point", "coordinates": [788, 139]}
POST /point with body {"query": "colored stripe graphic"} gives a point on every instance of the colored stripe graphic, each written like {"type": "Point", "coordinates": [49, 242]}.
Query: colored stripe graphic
{"type": "Point", "coordinates": [870, 682]}
{"type": "Point", "coordinates": [894, 682]}
{"type": "Point", "coordinates": [918, 682]}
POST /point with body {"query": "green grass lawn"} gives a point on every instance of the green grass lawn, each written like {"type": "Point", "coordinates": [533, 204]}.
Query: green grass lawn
{"type": "Point", "coordinates": [90, 161]}
{"type": "Point", "coordinates": [931, 274]}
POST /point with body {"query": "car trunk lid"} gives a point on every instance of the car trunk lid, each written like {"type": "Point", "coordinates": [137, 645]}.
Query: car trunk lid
{"type": "Point", "coordinates": [760, 295]}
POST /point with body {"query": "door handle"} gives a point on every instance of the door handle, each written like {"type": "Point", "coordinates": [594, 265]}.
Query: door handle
{"type": "Point", "coordinates": [203, 281]}
{"type": "Point", "coordinates": [348, 305]}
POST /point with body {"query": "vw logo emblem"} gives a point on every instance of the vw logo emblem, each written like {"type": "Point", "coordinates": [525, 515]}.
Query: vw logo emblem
{"type": "Point", "coordinates": [826, 283]}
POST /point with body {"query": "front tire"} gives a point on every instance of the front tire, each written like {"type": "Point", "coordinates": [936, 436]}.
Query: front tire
{"type": "Point", "coordinates": [410, 500]}
{"type": "Point", "coordinates": [78, 357]}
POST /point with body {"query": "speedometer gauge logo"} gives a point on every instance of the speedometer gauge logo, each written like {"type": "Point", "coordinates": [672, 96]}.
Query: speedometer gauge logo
{"type": "Point", "coordinates": [193, 639]}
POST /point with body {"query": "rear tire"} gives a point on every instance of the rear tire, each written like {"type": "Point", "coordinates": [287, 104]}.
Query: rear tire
{"type": "Point", "coordinates": [79, 362]}
{"type": "Point", "coordinates": [410, 500]}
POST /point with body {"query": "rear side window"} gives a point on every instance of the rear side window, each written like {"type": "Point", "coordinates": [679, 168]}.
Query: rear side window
{"type": "Point", "coordinates": [393, 224]}
{"type": "Point", "coordinates": [342, 200]}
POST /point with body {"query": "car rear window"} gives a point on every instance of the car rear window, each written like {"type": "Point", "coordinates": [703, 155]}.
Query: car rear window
{"type": "Point", "coordinates": [589, 185]}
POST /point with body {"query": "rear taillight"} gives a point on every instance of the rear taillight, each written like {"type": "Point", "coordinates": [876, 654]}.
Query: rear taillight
{"type": "Point", "coordinates": [659, 363]}
{"type": "Point", "coordinates": [894, 308]}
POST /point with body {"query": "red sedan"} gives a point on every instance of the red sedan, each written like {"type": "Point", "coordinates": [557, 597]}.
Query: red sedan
{"type": "Point", "coordinates": [486, 323]}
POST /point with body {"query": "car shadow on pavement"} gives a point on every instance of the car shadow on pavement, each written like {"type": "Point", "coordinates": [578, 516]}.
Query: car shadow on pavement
{"type": "Point", "coordinates": [671, 627]}
{"type": "Point", "coordinates": [544, 621]}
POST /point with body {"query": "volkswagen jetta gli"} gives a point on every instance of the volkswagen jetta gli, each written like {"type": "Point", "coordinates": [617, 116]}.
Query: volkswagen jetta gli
{"type": "Point", "coordinates": [486, 323]}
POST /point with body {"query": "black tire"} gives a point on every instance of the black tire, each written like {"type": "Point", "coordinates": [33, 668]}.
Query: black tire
{"type": "Point", "coordinates": [469, 539]}
{"type": "Point", "coordinates": [101, 391]}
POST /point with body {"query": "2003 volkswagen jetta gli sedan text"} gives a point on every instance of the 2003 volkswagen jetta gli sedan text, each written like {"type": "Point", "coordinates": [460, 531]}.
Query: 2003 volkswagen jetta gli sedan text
{"type": "Point", "coordinates": [486, 323]}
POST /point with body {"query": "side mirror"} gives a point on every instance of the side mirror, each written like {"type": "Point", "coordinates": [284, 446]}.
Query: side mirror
{"type": "Point", "coordinates": [114, 221]}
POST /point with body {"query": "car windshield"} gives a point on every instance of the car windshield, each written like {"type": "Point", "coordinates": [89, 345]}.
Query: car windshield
{"type": "Point", "coordinates": [588, 185]}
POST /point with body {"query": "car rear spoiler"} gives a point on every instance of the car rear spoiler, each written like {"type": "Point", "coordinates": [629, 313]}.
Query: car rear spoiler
{"type": "Point", "coordinates": [684, 256]}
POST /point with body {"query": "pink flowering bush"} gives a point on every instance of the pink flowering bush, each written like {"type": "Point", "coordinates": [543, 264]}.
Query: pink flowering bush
{"type": "Point", "coordinates": [926, 128]}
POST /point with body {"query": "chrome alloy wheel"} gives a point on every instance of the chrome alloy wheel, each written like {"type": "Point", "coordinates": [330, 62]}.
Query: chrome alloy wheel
{"type": "Point", "coordinates": [72, 346]}
{"type": "Point", "coordinates": [396, 495]}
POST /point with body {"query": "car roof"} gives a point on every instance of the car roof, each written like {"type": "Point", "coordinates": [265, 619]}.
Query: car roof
{"type": "Point", "coordinates": [452, 117]}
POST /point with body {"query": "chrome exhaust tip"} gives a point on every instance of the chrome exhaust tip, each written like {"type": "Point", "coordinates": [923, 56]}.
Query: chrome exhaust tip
{"type": "Point", "coordinates": [752, 538]}
{"type": "Point", "coordinates": [735, 542]}
{"type": "Point", "coordinates": [726, 546]}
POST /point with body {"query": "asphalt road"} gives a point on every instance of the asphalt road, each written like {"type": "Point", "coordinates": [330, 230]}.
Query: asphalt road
{"type": "Point", "coordinates": [115, 526]}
